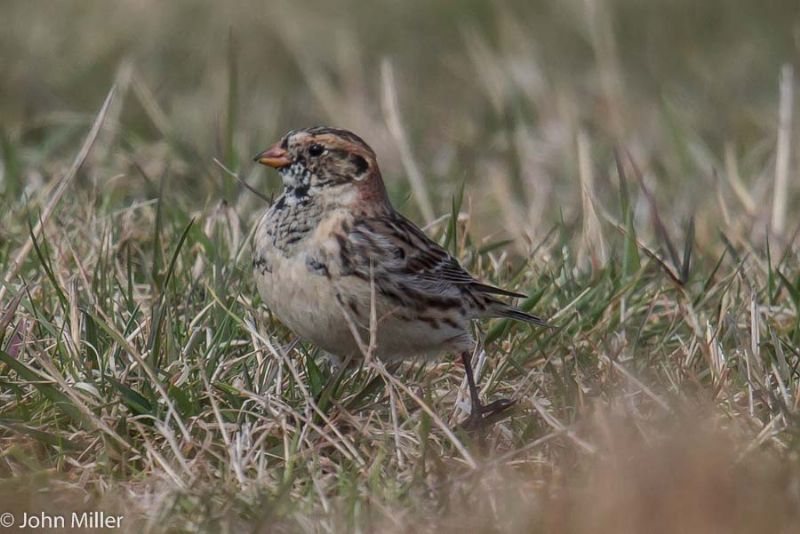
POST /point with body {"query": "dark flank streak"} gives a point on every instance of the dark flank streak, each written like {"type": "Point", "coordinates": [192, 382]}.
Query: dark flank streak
{"type": "Point", "coordinates": [449, 322]}
{"type": "Point", "coordinates": [442, 303]}
{"type": "Point", "coordinates": [354, 306]}
{"type": "Point", "coordinates": [261, 265]}
{"type": "Point", "coordinates": [430, 321]}
{"type": "Point", "coordinates": [317, 267]}
{"type": "Point", "coordinates": [391, 294]}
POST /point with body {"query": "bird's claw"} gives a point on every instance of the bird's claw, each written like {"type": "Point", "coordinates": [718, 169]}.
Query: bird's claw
{"type": "Point", "coordinates": [483, 416]}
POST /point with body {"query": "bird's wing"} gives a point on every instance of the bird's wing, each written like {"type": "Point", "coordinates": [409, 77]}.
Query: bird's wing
{"type": "Point", "coordinates": [407, 265]}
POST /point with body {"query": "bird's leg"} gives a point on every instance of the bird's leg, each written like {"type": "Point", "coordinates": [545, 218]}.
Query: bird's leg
{"type": "Point", "coordinates": [481, 415]}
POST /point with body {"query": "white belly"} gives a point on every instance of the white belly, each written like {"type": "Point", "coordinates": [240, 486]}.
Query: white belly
{"type": "Point", "coordinates": [306, 302]}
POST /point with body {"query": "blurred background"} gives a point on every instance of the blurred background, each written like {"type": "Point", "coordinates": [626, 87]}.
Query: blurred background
{"type": "Point", "coordinates": [583, 133]}
{"type": "Point", "coordinates": [501, 95]}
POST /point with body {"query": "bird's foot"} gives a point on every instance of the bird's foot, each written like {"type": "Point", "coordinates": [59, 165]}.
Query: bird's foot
{"type": "Point", "coordinates": [484, 416]}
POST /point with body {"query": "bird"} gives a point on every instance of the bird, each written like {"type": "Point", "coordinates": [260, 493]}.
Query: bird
{"type": "Point", "coordinates": [332, 246]}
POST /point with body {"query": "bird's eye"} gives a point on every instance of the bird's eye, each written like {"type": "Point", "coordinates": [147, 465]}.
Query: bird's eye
{"type": "Point", "coordinates": [316, 150]}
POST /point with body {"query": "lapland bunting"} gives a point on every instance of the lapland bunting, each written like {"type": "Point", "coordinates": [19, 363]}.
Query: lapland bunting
{"type": "Point", "coordinates": [332, 246]}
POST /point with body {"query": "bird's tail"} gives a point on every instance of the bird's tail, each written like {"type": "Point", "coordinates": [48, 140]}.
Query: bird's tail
{"type": "Point", "coordinates": [510, 312]}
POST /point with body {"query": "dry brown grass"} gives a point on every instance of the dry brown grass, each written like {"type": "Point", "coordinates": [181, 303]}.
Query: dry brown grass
{"type": "Point", "coordinates": [629, 166]}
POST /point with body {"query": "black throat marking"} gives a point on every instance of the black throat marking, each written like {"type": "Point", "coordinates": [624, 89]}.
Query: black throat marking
{"type": "Point", "coordinates": [300, 192]}
{"type": "Point", "coordinates": [297, 181]}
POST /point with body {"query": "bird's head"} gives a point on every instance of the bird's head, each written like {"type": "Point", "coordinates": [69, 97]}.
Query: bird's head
{"type": "Point", "coordinates": [326, 163]}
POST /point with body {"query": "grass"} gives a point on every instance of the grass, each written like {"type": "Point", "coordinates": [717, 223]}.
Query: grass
{"type": "Point", "coordinates": [634, 179]}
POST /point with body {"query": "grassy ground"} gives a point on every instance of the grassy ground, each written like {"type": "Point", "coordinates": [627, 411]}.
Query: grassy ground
{"type": "Point", "coordinates": [630, 166]}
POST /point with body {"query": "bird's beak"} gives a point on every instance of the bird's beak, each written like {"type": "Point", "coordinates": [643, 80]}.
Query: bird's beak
{"type": "Point", "coordinates": [275, 157]}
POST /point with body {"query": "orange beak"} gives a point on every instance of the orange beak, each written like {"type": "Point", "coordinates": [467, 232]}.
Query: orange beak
{"type": "Point", "coordinates": [275, 157]}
